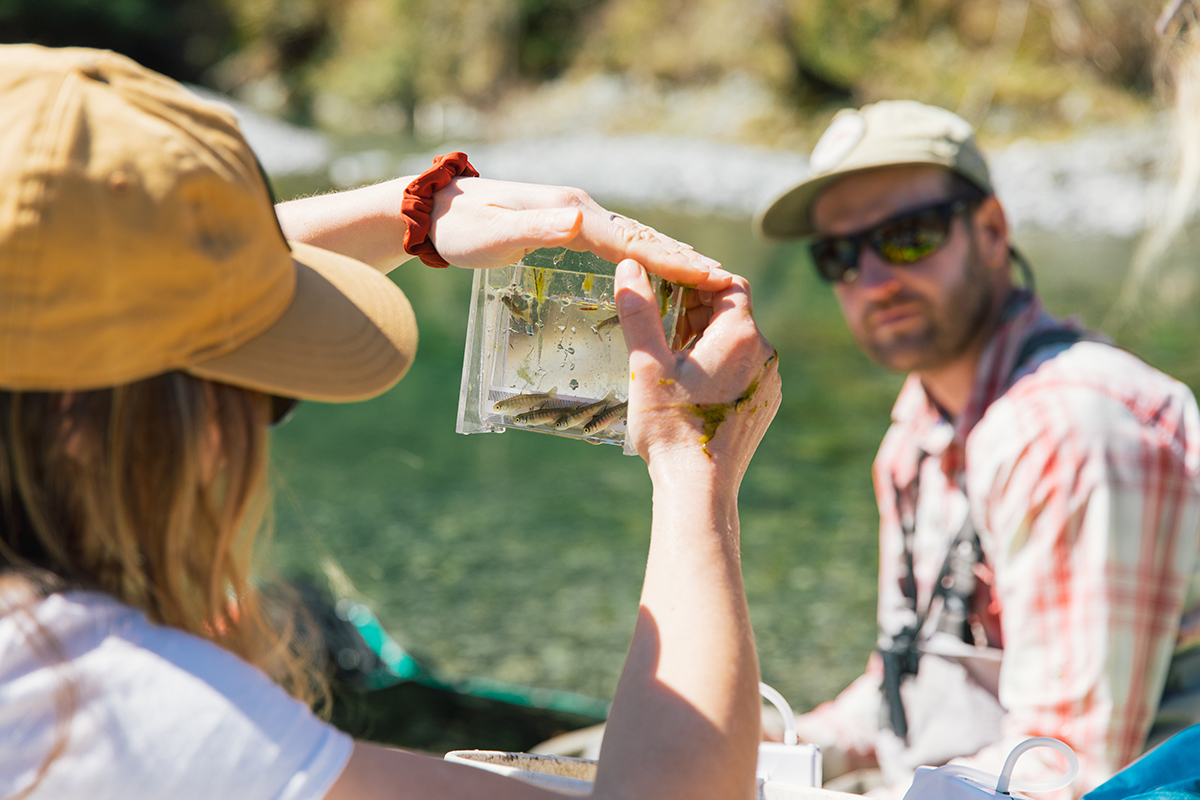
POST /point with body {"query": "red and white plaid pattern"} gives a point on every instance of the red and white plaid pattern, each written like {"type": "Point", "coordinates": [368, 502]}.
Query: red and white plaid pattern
{"type": "Point", "coordinates": [1083, 475]}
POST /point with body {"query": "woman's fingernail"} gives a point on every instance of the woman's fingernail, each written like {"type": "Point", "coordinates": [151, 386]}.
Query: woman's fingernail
{"type": "Point", "coordinates": [711, 263]}
{"type": "Point", "coordinates": [717, 272]}
{"type": "Point", "coordinates": [629, 269]}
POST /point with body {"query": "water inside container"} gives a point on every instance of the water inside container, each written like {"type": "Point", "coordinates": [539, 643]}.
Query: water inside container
{"type": "Point", "coordinates": [545, 349]}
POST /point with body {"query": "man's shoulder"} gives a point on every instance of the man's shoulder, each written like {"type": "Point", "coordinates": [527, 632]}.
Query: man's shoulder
{"type": "Point", "coordinates": [1094, 393]}
{"type": "Point", "coordinates": [1089, 370]}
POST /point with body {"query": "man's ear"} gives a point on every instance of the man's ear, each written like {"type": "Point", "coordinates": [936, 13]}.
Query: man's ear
{"type": "Point", "coordinates": [991, 233]}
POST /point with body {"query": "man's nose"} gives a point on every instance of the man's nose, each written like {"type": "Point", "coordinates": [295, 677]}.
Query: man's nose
{"type": "Point", "coordinates": [875, 274]}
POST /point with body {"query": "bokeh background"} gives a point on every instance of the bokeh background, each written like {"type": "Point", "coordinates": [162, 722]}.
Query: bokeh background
{"type": "Point", "coordinates": [750, 70]}
{"type": "Point", "coordinates": [518, 557]}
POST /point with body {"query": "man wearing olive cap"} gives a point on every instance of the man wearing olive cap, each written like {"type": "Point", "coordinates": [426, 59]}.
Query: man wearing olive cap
{"type": "Point", "coordinates": [1038, 490]}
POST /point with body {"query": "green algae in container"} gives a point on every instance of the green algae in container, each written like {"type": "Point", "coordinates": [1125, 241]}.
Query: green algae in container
{"type": "Point", "coordinates": [545, 351]}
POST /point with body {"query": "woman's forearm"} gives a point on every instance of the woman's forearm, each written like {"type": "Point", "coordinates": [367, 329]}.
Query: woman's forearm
{"type": "Point", "coordinates": [479, 224]}
{"type": "Point", "coordinates": [686, 717]}
{"type": "Point", "coordinates": [685, 720]}
{"type": "Point", "coordinates": [363, 223]}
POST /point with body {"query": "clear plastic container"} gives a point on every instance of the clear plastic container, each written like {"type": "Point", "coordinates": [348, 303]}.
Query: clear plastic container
{"type": "Point", "coordinates": [545, 351]}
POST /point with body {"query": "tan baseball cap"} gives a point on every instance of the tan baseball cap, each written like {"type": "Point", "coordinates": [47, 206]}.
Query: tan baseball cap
{"type": "Point", "coordinates": [886, 134]}
{"type": "Point", "coordinates": [138, 236]}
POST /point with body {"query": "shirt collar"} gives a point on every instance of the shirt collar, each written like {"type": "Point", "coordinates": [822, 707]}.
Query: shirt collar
{"type": "Point", "coordinates": [1021, 317]}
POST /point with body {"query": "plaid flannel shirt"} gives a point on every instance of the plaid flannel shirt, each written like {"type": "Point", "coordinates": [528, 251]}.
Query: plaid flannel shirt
{"type": "Point", "coordinates": [1082, 470]}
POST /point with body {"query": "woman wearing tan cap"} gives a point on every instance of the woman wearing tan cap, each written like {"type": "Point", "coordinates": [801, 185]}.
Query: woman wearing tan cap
{"type": "Point", "coordinates": [154, 318]}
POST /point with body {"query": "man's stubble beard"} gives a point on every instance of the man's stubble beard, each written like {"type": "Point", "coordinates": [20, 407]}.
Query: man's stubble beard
{"type": "Point", "coordinates": [948, 332]}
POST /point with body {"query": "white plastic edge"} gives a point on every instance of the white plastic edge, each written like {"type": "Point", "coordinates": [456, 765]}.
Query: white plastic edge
{"type": "Point", "coordinates": [1005, 784]}
{"type": "Point", "coordinates": [789, 719]}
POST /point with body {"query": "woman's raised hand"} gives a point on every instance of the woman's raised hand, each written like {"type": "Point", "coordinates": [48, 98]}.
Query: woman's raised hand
{"type": "Point", "coordinates": [709, 404]}
{"type": "Point", "coordinates": [480, 223]}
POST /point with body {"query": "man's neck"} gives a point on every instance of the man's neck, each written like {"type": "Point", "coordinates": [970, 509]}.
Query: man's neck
{"type": "Point", "coordinates": [950, 384]}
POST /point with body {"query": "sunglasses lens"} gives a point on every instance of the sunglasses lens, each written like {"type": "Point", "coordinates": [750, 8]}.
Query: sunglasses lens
{"type": "Point", "coordinates": [834, 258]}
{"type": "Point", "coordinates": [912, 237]}
{"type": "Point", "coordinates": [900, 240]}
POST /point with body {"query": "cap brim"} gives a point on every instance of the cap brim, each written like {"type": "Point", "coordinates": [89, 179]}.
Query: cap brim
{"type": "Point", "coordinates": [787, 216]}
{"type": "Point", "coordinates": [349, 334]}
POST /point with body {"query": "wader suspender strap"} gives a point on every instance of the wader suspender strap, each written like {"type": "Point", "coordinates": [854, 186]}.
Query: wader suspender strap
{"type": "Point", "coordinates": [955, 585]}
{"type": "Point", "coordinates": [1067, 336]}
{"type": "Point", "coordinates": [956, 581]}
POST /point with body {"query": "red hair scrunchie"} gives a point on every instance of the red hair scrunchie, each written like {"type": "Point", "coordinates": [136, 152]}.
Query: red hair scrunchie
{"type": "Point", "coordinates": [417, 205]}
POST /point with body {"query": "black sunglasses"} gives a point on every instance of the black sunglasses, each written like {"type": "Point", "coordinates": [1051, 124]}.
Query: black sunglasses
{"type": "Point", "coordinates": [902, 239]}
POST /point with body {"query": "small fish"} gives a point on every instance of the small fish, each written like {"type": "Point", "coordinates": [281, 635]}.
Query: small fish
{"type": "Point", "coordinates": [519, 307]}
{"type": "Point", "coordinates": [607, 417]}
{"type": "Point", "coordinates": [574, 417]}
{"type": "Point", "coordinates": [543, 416]}
{"type": "Point", "coordinates": [600, 327]}
{"type": "Point", "coordinates": [520, 403]}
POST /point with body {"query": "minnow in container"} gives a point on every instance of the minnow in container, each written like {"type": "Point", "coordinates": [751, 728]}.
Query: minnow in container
{"type": "Point", "coordinates": [607, 418]}
{"type": "Point", "coordinates": [600, 327]}
{"type": "Point", "coordinates": [520, 403]}
{"type": "Point", "coordinates": [543, 416]}
{"type": "Point", "coordinates": [519, 307]}
{"type": "Point", "coordinates": [574, 417]}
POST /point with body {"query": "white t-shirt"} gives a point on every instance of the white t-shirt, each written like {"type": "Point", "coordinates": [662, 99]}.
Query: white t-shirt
{"type": "Point", "coordinates": [160, 713]}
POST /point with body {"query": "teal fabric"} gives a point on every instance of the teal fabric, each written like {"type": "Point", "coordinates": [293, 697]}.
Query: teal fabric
{"type": "Point", "coordinates": [1170, 771]}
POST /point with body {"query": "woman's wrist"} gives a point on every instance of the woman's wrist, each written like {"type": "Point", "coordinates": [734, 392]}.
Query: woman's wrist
{"type": "Point", "coordinates": [417, 204]}
{"type": "Point", "coordinates": [696, 461]}
{"type": "Point", "coordinates": [695, 485]}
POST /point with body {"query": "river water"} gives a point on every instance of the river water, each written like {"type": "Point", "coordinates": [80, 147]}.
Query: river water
{"type": "Point", "coordinates": [519, 556]}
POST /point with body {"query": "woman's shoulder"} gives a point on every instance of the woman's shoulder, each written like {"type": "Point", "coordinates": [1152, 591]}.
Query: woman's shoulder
{"type": "Point", "coordinates": [94, 620]}
{"type": "Point", "coordinates": [148, 707]}
{"type": "Point", "coordinates": [80, 626]}
{"type": "Point", "coordinates": [111, 647]}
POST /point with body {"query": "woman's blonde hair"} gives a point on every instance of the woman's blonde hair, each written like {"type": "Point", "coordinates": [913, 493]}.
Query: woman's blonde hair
{"type": "Point", "coordinates": [154, 492]}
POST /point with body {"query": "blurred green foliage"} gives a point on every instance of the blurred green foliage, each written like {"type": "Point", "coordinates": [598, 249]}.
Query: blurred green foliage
{"type": "Point", "coordinates": [360, 63]}
{"type": "Point", "coordinates": [182, 38]}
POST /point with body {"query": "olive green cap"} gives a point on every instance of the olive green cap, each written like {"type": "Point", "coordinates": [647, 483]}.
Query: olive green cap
{"type": "Point", "coordinates": [886, 134]}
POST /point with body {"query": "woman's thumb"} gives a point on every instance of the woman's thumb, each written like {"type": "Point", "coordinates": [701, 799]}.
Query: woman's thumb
{"type": "Point", "coordinates": [637, 306]}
